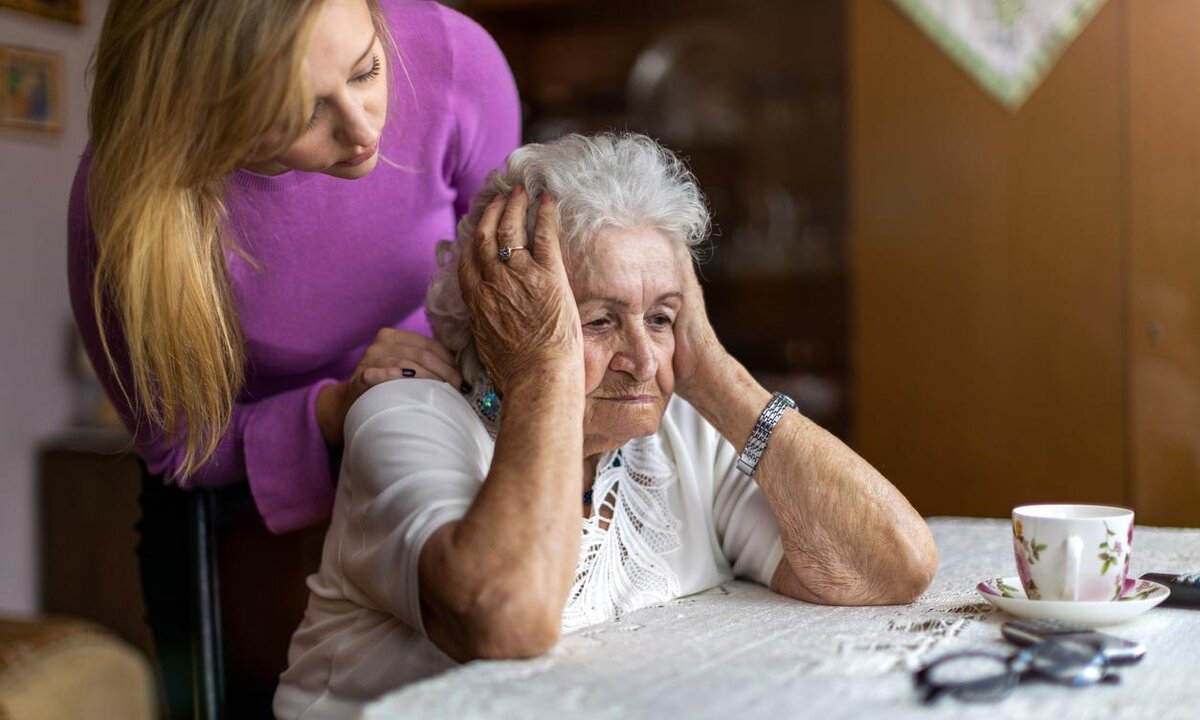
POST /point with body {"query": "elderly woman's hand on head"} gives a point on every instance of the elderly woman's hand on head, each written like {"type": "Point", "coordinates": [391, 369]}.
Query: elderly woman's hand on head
{"type": "Point", "coordinates": [523, 315]}
{"type": "Point", "coordinates": [493, 583]}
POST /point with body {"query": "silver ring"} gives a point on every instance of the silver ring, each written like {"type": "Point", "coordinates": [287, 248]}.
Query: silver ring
{"type": "Point", "coordinates": [506, 253]}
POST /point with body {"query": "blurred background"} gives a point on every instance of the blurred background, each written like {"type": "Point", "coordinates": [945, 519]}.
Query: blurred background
{"type": "Point", "coordinates": [990, 288]}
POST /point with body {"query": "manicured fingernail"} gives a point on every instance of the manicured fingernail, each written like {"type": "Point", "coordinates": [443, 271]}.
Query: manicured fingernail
{"type": "Point", "coordinates": [547, 198]}
{"type": "Point", "coordinates": [408, 372]}
{"type": "Point", "coordinates": [465, 388]}
{"type": "Point", "coordinates": [517, 191]}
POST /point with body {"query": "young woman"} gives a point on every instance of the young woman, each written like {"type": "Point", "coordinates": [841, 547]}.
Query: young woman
{"type": "Point", "coordinates": [252, 228]}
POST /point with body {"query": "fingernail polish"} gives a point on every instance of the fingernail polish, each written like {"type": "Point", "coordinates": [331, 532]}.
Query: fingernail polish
{"type": "Point", "coordinates": [408, 372]}
{"type": "Point", "coordinates": [547, 198]}
{"type": "Point", "coordinates": [465, 388]}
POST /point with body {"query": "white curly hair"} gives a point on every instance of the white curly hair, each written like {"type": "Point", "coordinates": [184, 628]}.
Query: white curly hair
{"type": "Point", "coordinates": [618, 180]}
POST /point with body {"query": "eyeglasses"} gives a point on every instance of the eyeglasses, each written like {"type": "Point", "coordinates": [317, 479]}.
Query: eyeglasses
{"type": "Point", "coordinates": [981, 676]}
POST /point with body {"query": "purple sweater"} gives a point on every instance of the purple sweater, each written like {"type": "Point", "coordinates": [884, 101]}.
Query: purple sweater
{"type": "Point", "coordinates": [339, 259]}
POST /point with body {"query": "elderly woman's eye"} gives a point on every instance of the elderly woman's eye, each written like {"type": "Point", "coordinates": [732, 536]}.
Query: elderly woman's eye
{"type": "Point", "coordinates": [598, 323]}
{"type": "Point", "coordinates": [661, 321]}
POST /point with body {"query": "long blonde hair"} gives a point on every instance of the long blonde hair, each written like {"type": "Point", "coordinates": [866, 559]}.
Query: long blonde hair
{"type": "Point", "coordinates": [184, 93]}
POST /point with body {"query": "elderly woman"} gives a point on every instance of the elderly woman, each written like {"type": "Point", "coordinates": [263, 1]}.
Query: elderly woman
{"type": "Point", "coordinates": [599, 390]}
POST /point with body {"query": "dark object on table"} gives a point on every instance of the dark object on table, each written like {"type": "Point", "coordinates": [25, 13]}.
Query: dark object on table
{"type": "Point", "coordinates": [983, 676]}
{"type": "Point", "coordinates": [1184, 587]}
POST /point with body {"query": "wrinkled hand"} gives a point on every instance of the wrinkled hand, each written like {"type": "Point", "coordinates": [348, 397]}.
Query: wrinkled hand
{"type": "Point", "coordinates": [698, 353]}
{"type": "Point", "coordinates": [523, 313]}
{"type": "Point", "coordinates": [394, 354]}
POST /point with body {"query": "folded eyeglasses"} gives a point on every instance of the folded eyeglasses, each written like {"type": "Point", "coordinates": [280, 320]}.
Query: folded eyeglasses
{"type": "Point", "coordinates": [984, 676]}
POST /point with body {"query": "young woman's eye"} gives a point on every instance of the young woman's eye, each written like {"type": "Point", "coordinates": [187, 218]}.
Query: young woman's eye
{"type": "Point", "coordinates": [316, 115]}
{"type": "Point", "coordinates": [369, 75]}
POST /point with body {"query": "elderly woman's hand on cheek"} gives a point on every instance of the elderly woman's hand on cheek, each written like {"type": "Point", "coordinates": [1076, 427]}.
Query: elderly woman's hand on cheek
{"type": "Point", "coordinates": [523, 314]}
{"type": "Point", "coordinates": [850, 538]}
{"type": "Point", "coordinates": [700, 359]}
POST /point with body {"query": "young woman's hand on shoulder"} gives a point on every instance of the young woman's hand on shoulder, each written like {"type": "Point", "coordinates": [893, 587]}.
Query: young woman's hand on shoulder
{"type": "Point", "coordinates": [394, 354]}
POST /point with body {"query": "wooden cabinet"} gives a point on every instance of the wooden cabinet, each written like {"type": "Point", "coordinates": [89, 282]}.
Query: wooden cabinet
{"type": "Point", "coordinates": [89, 485]}
{"type": "Point", "coordinates": [1025, 285]}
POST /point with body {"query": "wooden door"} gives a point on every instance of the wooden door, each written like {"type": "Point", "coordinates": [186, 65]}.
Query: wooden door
{"type": "Point", "coordinates": [987, 252]}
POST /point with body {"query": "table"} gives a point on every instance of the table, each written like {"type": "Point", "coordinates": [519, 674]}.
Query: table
{"type": "Point", "coordinates": [741, 651]}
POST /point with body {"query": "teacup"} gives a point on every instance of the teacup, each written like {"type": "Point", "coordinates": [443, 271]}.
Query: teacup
{"type": "Point", "coordinates": [1072, 552]}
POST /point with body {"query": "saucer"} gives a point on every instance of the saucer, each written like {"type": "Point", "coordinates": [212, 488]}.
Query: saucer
{"type": "Point", "coordinates": [1008, 595]}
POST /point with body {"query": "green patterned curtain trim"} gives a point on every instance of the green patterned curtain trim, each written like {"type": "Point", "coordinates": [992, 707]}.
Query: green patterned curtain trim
{"type": "Point", "coordinates": [1012, 91]}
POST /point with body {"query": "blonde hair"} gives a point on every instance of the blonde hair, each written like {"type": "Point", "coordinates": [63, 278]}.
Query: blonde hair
{"type": "Point", "coordinates": [184, 93]}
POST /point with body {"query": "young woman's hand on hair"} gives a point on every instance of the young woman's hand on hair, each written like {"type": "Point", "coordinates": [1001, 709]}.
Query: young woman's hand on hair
{"type": "Point", "coordinates": [523, 313]}
{"type": "Point", "coordinates": [394, 354]}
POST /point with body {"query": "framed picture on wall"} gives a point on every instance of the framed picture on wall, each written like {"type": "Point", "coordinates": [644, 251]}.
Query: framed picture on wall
{"type": "Point", "coordinates": [30, 89]}
{"type": "Point", "coordinates": [65, 10]}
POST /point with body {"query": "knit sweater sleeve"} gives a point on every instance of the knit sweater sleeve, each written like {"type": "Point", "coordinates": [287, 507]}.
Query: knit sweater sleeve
{"type": "Point", "coordinates": [483, 99]}
{"type": "Point", "coordinates": [275, 442]}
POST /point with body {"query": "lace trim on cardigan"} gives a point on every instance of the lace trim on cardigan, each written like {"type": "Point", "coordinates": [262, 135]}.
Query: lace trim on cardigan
{"type": "Point", "coordinates": [621, 566]}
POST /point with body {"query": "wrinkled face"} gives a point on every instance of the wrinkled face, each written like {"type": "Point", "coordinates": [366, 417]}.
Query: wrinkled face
{"type": "Point", "coordinates": [347, 71]}
{"type": "Point", "coordinates": [629, 291]}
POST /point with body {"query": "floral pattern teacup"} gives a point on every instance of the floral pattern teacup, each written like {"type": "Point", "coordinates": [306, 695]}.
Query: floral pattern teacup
{"type": "Point", "coordinates": [1072, 552]}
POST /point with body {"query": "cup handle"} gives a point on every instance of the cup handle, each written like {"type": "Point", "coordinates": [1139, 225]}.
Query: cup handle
{"type": "Point", "coordinates": [1074, 558]}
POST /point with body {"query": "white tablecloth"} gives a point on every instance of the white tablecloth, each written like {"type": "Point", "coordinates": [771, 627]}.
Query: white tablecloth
{"type": "Point", "coordinates": [741, 651]}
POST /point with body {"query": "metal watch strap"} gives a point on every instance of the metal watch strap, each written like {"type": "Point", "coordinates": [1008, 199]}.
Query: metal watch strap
{"type": "Point", "coordinates": [756, 445]}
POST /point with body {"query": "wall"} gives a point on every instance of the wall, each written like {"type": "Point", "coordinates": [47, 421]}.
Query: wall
{"type": "Point", "coordinates": [35, 400]}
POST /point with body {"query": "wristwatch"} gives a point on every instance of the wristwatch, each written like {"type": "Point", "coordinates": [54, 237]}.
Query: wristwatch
{"type": "Point", "coordinates": [756, 445]}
